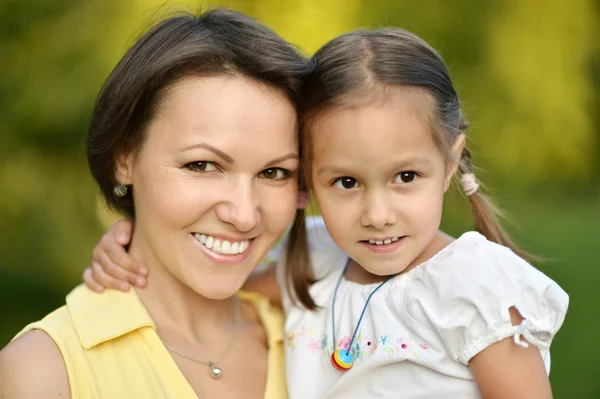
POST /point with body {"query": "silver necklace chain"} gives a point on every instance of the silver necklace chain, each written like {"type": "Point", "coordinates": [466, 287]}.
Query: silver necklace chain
{"type": "Point", "coordinates": [215, 371]}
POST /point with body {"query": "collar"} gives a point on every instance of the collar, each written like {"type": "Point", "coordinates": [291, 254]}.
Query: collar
{"type": "Point", "coordinates": [270, 316]}
{"type": "Point", "coordinates": [102, 317]}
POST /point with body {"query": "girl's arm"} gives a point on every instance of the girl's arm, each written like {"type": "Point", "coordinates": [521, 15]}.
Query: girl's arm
{"type": "Point", "coordinates": [505, 370]}
{"type": "Point", "coordinates": [111, 266]}
{"type": "Point", "coordinates": [32, 367]}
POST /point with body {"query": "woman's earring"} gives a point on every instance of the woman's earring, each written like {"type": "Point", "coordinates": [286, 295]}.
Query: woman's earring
{"type": "Point", "coordinates": [120, 190]}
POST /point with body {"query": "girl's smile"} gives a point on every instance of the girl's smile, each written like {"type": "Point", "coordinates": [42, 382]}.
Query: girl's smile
{"type": "Point", "coordinates": [383, 246]}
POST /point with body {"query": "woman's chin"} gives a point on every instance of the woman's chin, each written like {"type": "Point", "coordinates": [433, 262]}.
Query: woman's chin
{"type": "Point", "coordinates": [218, 290]}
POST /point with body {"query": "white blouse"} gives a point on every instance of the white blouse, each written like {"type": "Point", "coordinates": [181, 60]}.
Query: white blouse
{"type": "Point", "coordinates": [422, 327]}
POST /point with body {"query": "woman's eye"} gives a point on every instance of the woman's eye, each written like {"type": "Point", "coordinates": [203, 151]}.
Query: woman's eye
{"type": "Point", "coordinates": [405, 177]}
{"type": "Point", "coordinates": [275, 174]}
{"type": "Point", "coordinates": [201, 166]}
{"type": "Point", "coordinates": [346, 183]}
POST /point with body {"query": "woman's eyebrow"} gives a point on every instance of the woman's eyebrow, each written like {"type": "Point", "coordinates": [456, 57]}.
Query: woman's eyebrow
{"type": "Point", "coordinates": [281, 159]}
{"type": "Point", "coordinates": [212, 149]}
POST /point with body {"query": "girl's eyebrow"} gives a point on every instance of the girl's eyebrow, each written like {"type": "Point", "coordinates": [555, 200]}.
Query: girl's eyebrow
{"type": "Point", "coordinates": [331, 169]}
{"type": "Point", "coordinates": [418, 161]}
{"type": "Point", "coordinates": [423, 161]}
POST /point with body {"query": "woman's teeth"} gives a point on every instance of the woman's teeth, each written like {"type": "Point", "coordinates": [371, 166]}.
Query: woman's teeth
{"type": "Point", "coordinates": [384, 242]}
{"type": "Point", "coordinates": [221, 246]}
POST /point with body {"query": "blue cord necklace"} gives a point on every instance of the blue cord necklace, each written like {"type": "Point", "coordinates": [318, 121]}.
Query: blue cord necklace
{"type": "Point", "coordinates": [342, 359]}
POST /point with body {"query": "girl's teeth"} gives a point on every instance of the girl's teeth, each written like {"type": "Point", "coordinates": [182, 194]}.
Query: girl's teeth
{"type": "Point", "coordinates": [383, 242]}
{"type": "Point", "coordinates": [223, 246]}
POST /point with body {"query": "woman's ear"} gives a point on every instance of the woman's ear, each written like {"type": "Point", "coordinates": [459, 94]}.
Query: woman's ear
{"type": "Point", "coordinates": [455, 156]}
{"type": "Point", "coordinates": [124, 169]}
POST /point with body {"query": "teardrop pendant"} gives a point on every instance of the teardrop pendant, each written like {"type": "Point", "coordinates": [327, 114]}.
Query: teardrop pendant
{"type": "Point", "coordinates": [215, 371]}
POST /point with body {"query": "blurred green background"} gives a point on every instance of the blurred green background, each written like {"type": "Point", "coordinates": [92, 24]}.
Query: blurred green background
{"type": "Point", "coordinates": [528, 73]}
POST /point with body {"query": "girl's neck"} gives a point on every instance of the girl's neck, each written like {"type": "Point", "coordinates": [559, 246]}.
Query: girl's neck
{"type": "Point", "coordinates": [173, 306]}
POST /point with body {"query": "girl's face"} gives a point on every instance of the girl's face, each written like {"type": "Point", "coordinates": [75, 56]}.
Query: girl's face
{"type": "Point", "coordinates": [215, 182]}
{"type": "Point", "coordinates": [380, 179]}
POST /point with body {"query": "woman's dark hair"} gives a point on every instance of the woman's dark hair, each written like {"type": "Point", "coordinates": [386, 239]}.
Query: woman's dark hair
{"type": "Point", "coordinates": [219, 41]}
{"type": "Point", "coordinates": [357, 67]}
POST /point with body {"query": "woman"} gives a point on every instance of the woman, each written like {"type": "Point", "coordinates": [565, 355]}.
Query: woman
{"type": "Point", "coordinates": [178, 141]}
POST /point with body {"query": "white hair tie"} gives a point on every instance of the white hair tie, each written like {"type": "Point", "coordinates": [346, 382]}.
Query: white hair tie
{"type": "Point", "coordinates": [469, 184]}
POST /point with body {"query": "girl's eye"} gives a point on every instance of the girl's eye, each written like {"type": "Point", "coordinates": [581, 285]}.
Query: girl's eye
{"type": "Point", "coordinates": [201, 166]}
{"type": "Point", "coordinates": [405, 177]}
{"type": "Point", "coordinates": [275, 174]}
{"type": "Point", "coordinates": [346, 183]}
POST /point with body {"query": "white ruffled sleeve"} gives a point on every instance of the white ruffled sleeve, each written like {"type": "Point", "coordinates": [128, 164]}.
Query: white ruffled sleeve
{"type": "Point", "coordinates": [465, 294]}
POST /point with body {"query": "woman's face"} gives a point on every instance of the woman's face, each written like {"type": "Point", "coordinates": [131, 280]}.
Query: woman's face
{"type": "Point", "coordinates": [215, 182]}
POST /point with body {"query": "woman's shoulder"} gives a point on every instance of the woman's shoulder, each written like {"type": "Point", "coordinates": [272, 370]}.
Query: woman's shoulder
{"type": "Point", "coordinates": [32, 366]}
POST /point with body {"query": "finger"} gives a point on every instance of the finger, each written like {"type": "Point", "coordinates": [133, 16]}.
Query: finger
{"type": "Point", "coordinates": [101, 277]}
{"type": "Point", "coordinates": [117, 255]}
{"type": "Point", "coordinates": [117, 272]}
{"type": "Point", "coordinates": [122, 231]}
{"type": "Point", "coordinates": [89, 281]}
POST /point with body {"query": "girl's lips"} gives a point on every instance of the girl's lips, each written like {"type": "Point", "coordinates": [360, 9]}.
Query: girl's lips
{"type": "Point", "coordinates": [384, 248]}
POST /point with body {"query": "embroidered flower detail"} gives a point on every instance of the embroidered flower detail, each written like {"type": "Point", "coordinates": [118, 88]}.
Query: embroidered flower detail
{"type": "Point", "coordinates": [344, 342]}
{"type": "Point", "coordinates": [314, 345]}
{"type": "Point", "coordinates": [389, 351]}
{"type": "Point", "coordinates": [404, 345]}
{"type": "Point", "coordinates": [369, 345]}
{"type": "Point", "coordinates": [356, 352]}
{"type": "Point", "coordinates": [424, 346]}
{"type": "Point", "coordinates": [383, 339]}
{"type": "Point", "coordinates": [290, 339]}
{"type": "Point", "coordinates": [324, 342]}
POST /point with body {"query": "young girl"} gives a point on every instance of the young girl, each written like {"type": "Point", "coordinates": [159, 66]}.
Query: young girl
{"type": "Point", "coordinates": [389, 306]}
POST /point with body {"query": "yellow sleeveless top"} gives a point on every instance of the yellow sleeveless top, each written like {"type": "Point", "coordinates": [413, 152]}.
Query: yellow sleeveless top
{"type": "Point", "coordinates": [111, 349]}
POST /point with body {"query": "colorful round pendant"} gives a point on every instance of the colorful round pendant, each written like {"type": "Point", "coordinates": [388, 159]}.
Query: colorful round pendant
{"type": "Point", "coordinates": [342, 359]}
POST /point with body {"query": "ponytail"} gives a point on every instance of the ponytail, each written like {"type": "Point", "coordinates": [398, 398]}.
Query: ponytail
{"type": "Point", "coordinates": [486, 215]}
{"type": "Point", "coordinates": [298, 270]}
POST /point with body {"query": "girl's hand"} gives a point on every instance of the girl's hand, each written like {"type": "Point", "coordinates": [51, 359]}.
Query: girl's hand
{"type": "Point", "coordinates": [505, 370]}
{"type": "Point", "coordinates": [111, 265]}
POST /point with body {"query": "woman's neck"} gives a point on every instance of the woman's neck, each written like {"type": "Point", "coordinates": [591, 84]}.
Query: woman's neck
{"type": "Point", "coordinates": [176, 308]}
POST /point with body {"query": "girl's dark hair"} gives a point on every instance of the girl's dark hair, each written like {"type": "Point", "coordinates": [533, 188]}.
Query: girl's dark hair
{"type": "Point", "coordinates": [219, 41]}
{"type": "Point", "coordinates": [355, 67]}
